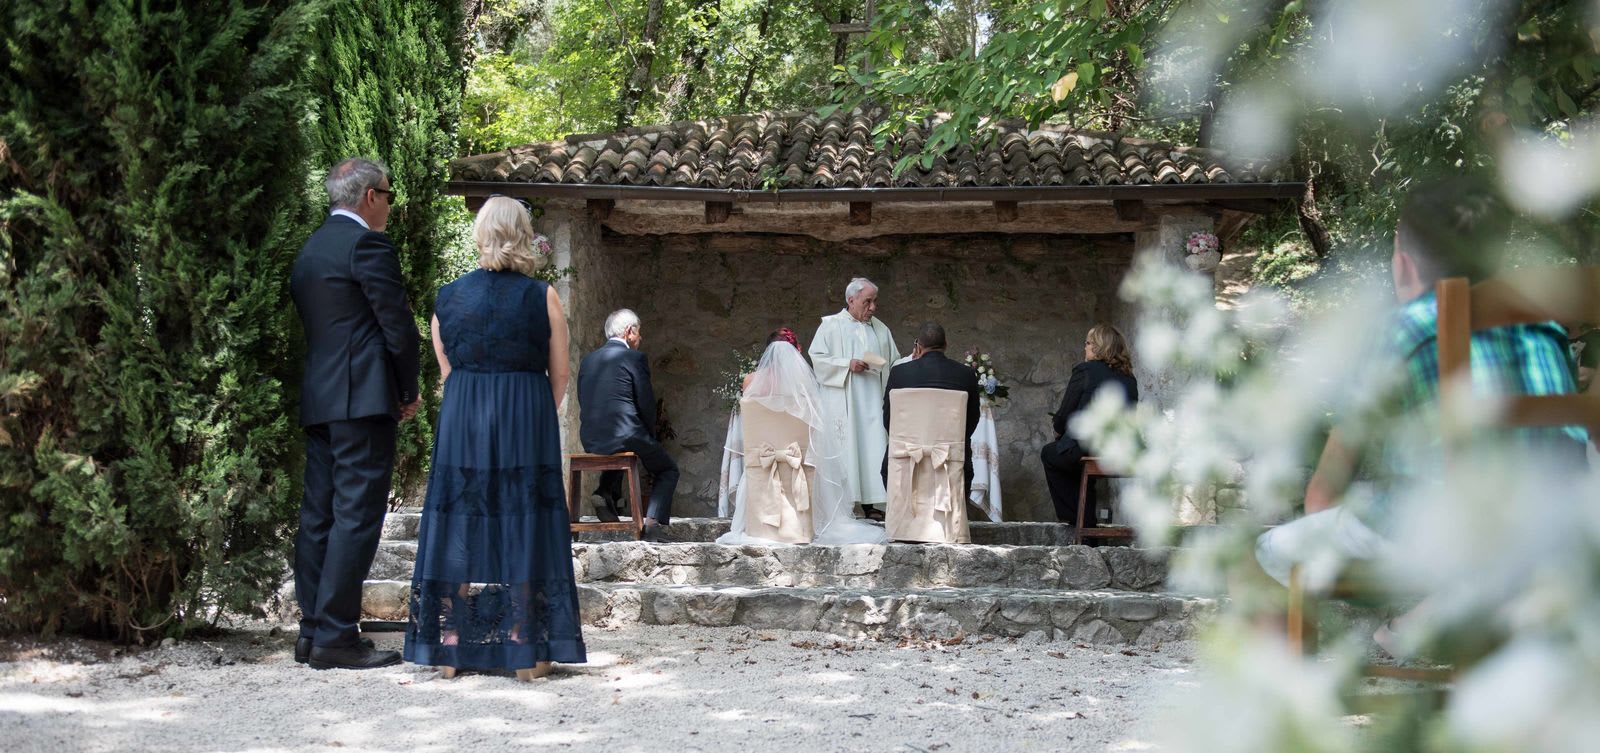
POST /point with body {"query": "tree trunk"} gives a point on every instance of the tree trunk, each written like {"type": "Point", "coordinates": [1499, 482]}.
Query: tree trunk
{"type": "Point", "coordinates": [692, 62]}
{"type": "Point", "coordinates": [750, 75]}
{"type": "Point", "coordinates": [1311, 219]}
{"type": "Point", "coordinates": [841, 45]}
{"type": "Point", "coordinates": [643, 59]}
{"type": "Point", "coordinates": [1208, 113]}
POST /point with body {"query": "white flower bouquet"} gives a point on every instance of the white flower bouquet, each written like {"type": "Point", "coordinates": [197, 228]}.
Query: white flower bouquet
{"type": "Point", "coordinates": [989, 386]}
{"type": "Point", "coordinates": [731, 385]}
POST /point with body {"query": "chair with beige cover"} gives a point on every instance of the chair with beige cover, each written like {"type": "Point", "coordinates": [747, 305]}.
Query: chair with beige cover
{"type": "Point", "coordinates": [927, 454]}
{"type": "Point", "coordinates": [778, 475]}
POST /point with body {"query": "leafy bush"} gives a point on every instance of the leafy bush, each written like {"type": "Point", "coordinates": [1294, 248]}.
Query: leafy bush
{"type": "Point", "coordinates": [159, 170]}
{"type": "Point", "coordinates": [151, 203]}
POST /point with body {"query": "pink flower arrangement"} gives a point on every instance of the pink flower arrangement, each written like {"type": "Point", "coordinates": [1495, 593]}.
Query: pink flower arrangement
{"type": "Point", "coordinates": [1202, 243]}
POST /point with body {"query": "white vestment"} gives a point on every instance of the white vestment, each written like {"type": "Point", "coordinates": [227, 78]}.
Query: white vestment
{"type": "Point", "coordinates": [856, 400]}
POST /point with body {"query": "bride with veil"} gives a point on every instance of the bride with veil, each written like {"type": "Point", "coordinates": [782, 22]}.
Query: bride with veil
{"type": "Point", "coordinates": [784, 383]}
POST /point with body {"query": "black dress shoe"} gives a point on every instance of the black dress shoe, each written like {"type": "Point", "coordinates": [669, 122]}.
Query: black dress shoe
{"type": "Point", "coordinates": [351, 657]}
{"type": "Point", "coordinates": [606, 511]}
{"type": "Point", "coordinates": [654, 532]}
{"type": "Point", "coordinates": [302, 647]}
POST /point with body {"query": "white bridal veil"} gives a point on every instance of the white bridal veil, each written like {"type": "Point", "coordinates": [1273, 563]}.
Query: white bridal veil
{"type": "Point", "coordinates": [783, 382]}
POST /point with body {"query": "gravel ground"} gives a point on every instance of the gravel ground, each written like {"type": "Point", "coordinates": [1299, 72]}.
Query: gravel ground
{"type": "Point", "coordinates": [645, 688]}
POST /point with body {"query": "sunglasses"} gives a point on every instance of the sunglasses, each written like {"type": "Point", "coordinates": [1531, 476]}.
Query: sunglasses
{"type": "Point", "coordinates": [388, 195]}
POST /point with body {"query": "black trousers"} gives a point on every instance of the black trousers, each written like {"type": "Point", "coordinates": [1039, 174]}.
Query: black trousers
{"type": "Point", "coordinates": [663, 471]}
{"type": "Point", "coordinates": [1063, 472]}
{"type": "Point", "coordinates": [349, 465]}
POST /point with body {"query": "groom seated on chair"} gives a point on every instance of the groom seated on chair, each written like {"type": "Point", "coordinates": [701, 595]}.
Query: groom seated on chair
{"type": "Point", "coordinates": [617, 413]}
{"type": "Point", "coordinates": [929, 368]}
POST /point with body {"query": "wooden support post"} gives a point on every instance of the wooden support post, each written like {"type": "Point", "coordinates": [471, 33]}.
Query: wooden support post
{"type": "Point", "coordinates": [1129, 210]}
{"type": "Point", "coordinates": [1005, 211]}
{"type": "Point", "coordinates": [474, 203]}
{"type": "Point", "coordinates": [861, 213]}
{"type": "Point", "coordinates": [717, 211]}
{"type": "Point", "coordinates": [1454, 331]}
{"type": "Point", "coordinates": [1302, 616]}
{"type": "Point", "coordinates": [600, 209]}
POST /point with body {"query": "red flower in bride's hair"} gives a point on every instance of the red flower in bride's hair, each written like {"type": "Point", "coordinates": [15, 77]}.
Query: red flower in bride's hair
{"type": "Point", "coordinates": [788, 336]}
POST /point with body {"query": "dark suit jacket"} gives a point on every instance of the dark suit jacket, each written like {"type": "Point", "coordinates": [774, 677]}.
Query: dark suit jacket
{"type": "Point", "coordinates": [361, 337]}
{"type": "Point", "coordinates": [935, 371]}
{"type": "Point", "coordinates": [1086, 380]}
{"type": "Point", "coordinates": [615, 399]}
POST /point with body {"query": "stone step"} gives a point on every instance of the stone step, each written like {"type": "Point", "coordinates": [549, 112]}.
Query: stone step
{"type": "Point", "coordinates": [402, 526]}
{"type": "Point", "coordinates": [855, 566]}
{"type": "Point", "coordinates": [1104, 617]}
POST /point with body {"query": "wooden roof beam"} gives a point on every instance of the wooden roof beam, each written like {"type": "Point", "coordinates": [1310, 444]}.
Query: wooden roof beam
{"type": "Point", "coordinates": [860, 213]}
{"type": "Point", "coordinates": [717, 212]}
{"type": "Point", "coordinates": [1131, 210]}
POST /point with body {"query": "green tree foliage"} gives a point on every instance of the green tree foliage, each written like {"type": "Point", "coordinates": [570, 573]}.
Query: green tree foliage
{"type": "Point", "coordinates": [159, 170]}
{"type": "Point", "coordinates": [1037, 61]}
{"type": "Point", "coordinates": [386, 79]}
{"type": "Point", "coordinates": [1171, 70]}
{"type": "Point", "coordinates": [545, 69]}
{"type": "Point", "coordinates": [151, 203]}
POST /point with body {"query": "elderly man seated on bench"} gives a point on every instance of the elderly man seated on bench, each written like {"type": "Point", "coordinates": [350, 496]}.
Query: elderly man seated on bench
{"type": "Point", "coordinates": [1448, 229]}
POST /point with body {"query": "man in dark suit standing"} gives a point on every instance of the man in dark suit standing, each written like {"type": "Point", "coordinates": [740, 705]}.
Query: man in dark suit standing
{"type": "Point", "coordinates": [617, 413]}
{"type": "Point", "coordinates": [360, 381]}
{"type": "Point", "coordinates": [929, 368]}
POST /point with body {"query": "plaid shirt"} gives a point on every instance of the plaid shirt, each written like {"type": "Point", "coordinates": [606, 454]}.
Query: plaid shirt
{"type": "Point", "coordinates": [1524, 359]}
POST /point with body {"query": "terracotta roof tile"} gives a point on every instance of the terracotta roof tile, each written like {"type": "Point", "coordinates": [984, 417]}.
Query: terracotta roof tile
{"type": "Point", "coordinates": [800, 150]}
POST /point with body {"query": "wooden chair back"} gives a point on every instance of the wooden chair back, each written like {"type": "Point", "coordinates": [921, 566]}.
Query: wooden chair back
{"type": "Point", "coordinates": [1567, 295]}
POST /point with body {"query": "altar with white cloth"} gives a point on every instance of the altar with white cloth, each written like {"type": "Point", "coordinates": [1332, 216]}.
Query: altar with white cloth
{"type": "Point", "coordinates": [985, 465]}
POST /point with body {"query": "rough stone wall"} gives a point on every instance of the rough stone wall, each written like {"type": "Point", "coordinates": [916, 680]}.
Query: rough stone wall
{"type": "Point", "coordinates": [1029, 312]}
{"type": "Point", "coordinates": [589, 292]}
{"type": "Point", "coordinates": [1167, 238]}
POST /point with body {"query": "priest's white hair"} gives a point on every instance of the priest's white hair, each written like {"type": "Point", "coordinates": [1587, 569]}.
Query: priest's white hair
{"type": "Point", "coordinates": [619, 321]}
{"type": "Point", "coordinates": [856, 286]}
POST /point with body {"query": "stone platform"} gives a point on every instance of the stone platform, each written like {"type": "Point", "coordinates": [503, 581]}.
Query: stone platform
{"type": "Point", "coordinates": [1023, 580]}
{"type": "Point", "coordinates": [856, 566]}
{"type": "Point", "coordinates": [402, 526]}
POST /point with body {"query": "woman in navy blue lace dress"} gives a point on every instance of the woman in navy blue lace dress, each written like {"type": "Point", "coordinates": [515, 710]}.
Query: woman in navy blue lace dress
{"type": "Point", "coordinates": [493, 586]}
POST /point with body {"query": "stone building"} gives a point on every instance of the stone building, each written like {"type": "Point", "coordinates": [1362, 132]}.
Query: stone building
{"type": "Point", "coordinates": [716, 232]}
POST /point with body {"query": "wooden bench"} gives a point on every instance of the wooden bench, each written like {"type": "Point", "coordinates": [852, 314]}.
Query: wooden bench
{"type": "Point", "coordinates": [628, 463]}
{"type": "Point", "coordinates": [1092, 470]}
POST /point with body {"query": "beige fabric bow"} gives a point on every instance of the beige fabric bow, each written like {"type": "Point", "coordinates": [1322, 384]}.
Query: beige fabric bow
{"type": "Point", "coordinates": [938, 455]}
{"type": "Point", "coordinates": [798, 494]}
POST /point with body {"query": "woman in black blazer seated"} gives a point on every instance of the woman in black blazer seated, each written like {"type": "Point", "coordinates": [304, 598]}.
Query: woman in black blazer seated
{"type": "Point", "coordinates": [1106, 361]}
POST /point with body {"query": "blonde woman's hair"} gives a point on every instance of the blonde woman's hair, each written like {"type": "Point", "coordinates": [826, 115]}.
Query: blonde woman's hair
{"type": "Point", "coordinates": [1109, 346]}
{"type": "Point", "coordinates": [504, 234]}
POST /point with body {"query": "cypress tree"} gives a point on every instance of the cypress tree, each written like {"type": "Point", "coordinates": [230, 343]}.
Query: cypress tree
{"type": "Point", "coordinates": [152, 198]}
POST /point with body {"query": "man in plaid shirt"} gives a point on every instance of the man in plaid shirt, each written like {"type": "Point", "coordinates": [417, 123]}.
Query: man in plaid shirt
{"type": "Point", "coordinates": [1449, 229]}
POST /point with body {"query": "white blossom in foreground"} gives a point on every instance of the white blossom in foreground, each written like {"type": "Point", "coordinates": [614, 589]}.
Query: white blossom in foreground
{"type": "Point", "coordinates": [1499, 551]}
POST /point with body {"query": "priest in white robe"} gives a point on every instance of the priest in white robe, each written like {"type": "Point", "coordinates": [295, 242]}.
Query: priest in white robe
{"type": "Point", "coordinates": [851, 354]}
